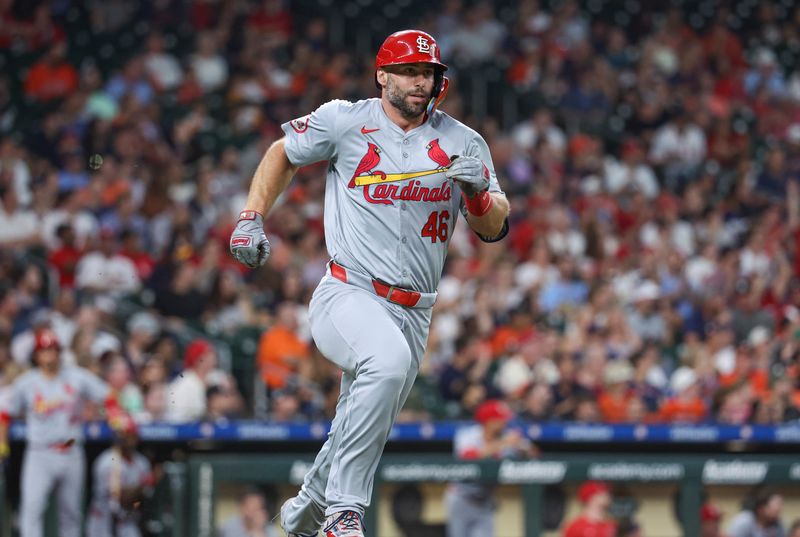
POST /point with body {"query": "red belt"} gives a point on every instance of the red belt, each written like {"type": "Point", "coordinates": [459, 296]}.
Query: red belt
{"type": "Point", "coordinates": [395, 295]}
{"type": "Point", "coordinates": [62, 447]}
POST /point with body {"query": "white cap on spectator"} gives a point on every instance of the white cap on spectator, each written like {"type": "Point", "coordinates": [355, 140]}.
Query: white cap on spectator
{"type": "Point", "coordinates": [143, 321]}
{"type": "Point", "coordinates": [647, 290]}
{"type": "Point", "coordinates": [619, 371]}
{"type": "Point", "coordinates": [513, 375]}
{"type": "Point", "coordinates": [758, 335]}
{"type": "Point", "coordinates": [682, 378]}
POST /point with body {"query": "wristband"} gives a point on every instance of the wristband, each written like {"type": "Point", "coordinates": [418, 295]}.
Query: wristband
{"type": "Point", "coordinates": [250, 215]}
{"type": "Point", "coordinates": [479, 204]}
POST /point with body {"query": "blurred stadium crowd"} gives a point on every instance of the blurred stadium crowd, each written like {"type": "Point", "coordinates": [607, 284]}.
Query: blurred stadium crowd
{"type": "Point", "coordinates": [651, 157]}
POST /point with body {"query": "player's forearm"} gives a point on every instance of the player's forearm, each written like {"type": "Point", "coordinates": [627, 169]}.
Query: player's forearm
{"type": "Point", "coordinates": [491, 223]}
{"type": "Point", "coordinates": [271, 178]}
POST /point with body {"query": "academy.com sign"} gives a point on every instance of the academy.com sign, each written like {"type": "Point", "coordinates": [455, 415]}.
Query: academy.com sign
{"type": "Point", "coordinates": [734, 472]}
{"type": "Point", "coordinates": [430, 472]}
{"type": "Point", "coordinates": [624, 471]}
{"type": "Point", "coordinates": [531, 472]}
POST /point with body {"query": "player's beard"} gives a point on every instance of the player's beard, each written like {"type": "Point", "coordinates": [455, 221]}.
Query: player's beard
{"type": "Point", "coordinates": [397, 98]}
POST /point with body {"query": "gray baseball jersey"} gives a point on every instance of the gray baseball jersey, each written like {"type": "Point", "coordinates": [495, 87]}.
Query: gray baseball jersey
{"type": "Point", "coordinates": [54, 457]}
{"type": "Point", "coordinates": [389, 209]}
{"type": "Point", "coordinates": [389, 215]}
{"type": "Point", "coordinates": [53, 406]}
{"type": "Point", "coordinates": [111, 470]}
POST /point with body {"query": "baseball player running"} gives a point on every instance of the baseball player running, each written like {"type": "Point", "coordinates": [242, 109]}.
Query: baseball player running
{"type": "Point", "coordinates": [122, 479]}
{"type": "Point", "coordinates": [399, 172]}
{"type": "Point", "coordinates": [51, 396]}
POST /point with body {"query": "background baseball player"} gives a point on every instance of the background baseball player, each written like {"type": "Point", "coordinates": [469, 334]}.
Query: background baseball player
{"type": "Point", "coordinates": [122, 479]}
{"type": "Point", "coordinates": [51, 396]}
{"type": "Point", "coordinates": [471, 506]}
{"type": "Point", "coordinates": [594, 518]}
{"type": "Point", "coordinates": [392, 195]}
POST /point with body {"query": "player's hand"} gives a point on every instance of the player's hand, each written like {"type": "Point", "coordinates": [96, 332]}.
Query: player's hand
{"type": "Point", "coordinates": [249, 244]}
{"type": "Point", "coordinates": [4, 451]}
{"type": "Point", "coordinates": [470, 173]}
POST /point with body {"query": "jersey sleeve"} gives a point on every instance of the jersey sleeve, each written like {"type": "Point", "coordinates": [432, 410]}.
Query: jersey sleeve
{"type": "Point", "coordinates": [101, 470]}
{"type": "Point", "coordinates": [478, 148]}
{"type": "Point", "coordinates": [313, 138]}
{"type": "Point", "coordinates": [92, 386]}
{"type": "Point", "coordinates": [467, 443]}
{"type": "Point", "coordinates": [13, 402]}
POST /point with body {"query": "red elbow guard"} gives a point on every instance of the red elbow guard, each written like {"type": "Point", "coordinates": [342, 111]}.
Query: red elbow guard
{"type": "Point", "coordinates": [479, 204]}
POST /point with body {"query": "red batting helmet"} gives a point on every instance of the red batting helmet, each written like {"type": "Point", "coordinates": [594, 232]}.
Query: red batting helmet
{"type": "Point", "coordinates": [46, 339]}
{"type": "Point", "coordinates": [409, 46]}
{"type": "Point", "coordinates": [493, 409]}
{"type": "Point", "coordinates": [415, 46]}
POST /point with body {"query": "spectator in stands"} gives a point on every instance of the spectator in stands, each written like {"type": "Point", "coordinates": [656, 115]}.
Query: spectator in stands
{"type": "Point", "coordinates": [224, 402]}
{"type": "Point", "coordinates": [117, 373]}
{"type": "Point", "coordinates": [155, 403]}
{"type": "Point", "coordinates": [252, 520]}
{"type": "Point", "coordinates": [187, 392]}
{"type": "Point", "coordinates": [163, 68]}
{"type": "Point", "coordinates": [615, 398]}
{"type": "Point", "coordinates": [281, 353]}
{"type": "Point", "coordinates": [18, 226]}
{"type": "Point", "coordinates": [65, 258]}
{"type": "Point", "coordinates": [710, 517]}
{"type": "Point", "coordinates": [761, 518]}
{"type": "Point", "coordinates": [103, 271]}
{"type": "Point", "coordinates": [594, 520]}
{"type": "Point", "coordinates": [131, 81]}
{"type": "Point", "coordinates": [208, 65]}
{"type": "Point", "coordinates": [686, 405]}
{"type": "Point", "coordinates": [794, 529]}
{"type": "Point", "coordinates": [183, 299]}
{"type": "Point", "coordinates": [52, 77]}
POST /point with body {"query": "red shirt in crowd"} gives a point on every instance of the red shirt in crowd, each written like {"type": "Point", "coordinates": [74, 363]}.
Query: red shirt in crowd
{"type": "Point", "coordinates": [65, 259]}
{"type": "Point", "coordinates": [46, 82]}
{"type": "Point", "coordinates": [583, 527]}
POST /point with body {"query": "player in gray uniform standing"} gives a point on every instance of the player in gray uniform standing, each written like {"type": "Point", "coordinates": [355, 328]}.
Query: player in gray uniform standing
{"type": "Point", "coordinates": [471, 506]}
{"type": "Point", "coordinates": [399, 173]}
{"type": "Point", "coordinates": [122, 479]}
{"type": "Point", "coordinates": [51, 396]}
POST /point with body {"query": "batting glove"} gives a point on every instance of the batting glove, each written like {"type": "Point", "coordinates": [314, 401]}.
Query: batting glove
{"type": "Point", "coordinates": [249, 244]}
{"type": "Point", "coordinates": [470, 173]}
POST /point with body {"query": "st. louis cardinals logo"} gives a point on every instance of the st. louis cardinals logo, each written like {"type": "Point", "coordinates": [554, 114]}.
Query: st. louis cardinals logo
{"type": "Point", "coordinates": [366, 175]}
{"type": "Point", "coordinates": [300, 125]}
{"type": "Point", "coordinates": [423, 46]}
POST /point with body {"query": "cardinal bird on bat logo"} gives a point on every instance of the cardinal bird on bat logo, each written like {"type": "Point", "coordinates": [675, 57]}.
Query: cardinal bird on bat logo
{"type": "Point", "coordinates": [368, 162]}
{"type": "Point", "coordinates": [437, 154]}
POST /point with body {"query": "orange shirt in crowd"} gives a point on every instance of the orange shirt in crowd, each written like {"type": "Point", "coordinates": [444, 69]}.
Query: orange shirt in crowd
{"type": "Point", "coordinates": [46, 82]}
{"type": "Point", "coordinates": [278, 352]}
{"type": "Point", "coordinates": [678, 411]}
{"type": "Point", "coordinates": [582, 527]}
{"type": "Point", "coordinates": [614, 409]}
{"type": "Point", "coordinates": [758, 379]}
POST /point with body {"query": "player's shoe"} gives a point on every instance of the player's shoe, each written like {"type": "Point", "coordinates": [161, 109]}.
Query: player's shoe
{"type": "Point", "coordinates": [343, 524]}
{"type": "Point", "coordinates": [289, 533]}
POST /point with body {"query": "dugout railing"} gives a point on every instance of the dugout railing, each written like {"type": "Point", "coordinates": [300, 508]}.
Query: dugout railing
{"type": "Point", "coordinates": [691, 473]}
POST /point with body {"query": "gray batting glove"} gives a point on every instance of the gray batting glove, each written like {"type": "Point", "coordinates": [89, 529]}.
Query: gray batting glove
{"type": "Point", "coordinates": [249, 244]}
{"type": "Point", "coordinates": [470, 173]}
